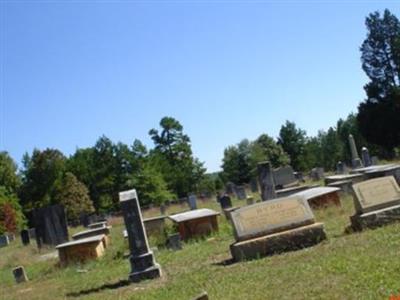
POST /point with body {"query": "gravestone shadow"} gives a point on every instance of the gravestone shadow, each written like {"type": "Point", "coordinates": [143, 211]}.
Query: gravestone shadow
{"type": "Point", "coordinates": [106, 286]}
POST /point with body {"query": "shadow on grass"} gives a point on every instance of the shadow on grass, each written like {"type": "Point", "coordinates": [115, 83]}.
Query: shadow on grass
{"type": "Point", "coordinates": [224, 263]}
{"type": "Point", "coordinates": [107, 286]}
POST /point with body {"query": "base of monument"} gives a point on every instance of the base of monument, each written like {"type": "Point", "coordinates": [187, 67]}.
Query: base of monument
{"type": "Point", "coordinates": [149, 273]}
{"type": "Point", "coordinates": [289, 240]}
{"type": "Point", "coordinates": [375, 218]}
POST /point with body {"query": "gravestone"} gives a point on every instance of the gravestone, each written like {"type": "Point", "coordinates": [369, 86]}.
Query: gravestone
{"type": "Point", "coordinates": [202, 296]}
{"type": "Point", "coordinates": [340, 168]}
{"type": "Point", "coordinates": [240, 192]}
{"type": "Point", "coordinates": [317, 174]}
{"type": "Point", "coordinates": [142, 261]}
{"type": "Point", "coordinates": [19, 274]}
{"type": "Point", "coordinates": [266, 181]}
{"type": "Point", "coordinates": [4, 241]}
{"type": "Point", "coordinates": [284, 177]}
{"type": "Point", "coordinates": [250, 200]}
{"type": "Point", "coordinates": [374, 160]}
{"type": "Point", "coordinates": [174, 242]}
{"type": "Point", "coordinates": [32, 233]}
{"type": "Point", "coordinates": [25, 237]}
{"type": "Point", "coordinates": [299, 176]}
{"type": "Point", "coordinates": [163, 209]}
{"type": "Point", "coordinates": [254, 185]}
{"type": "Point", "coordinates": [274, 226]}
{"type": "Point", "coordinates": [377, 202]}
{"type": "Point", "coordinates": [225, 202]}
{"type": "Point", "coordinates": [366, 159]}
{"type": "Point", "coordinates": [51, 225]}
{"type": "Point", "coordinates": [355, 159]}
{"type": "Point", "coordinates": [11, 236]}
{"type": "Point", "coordinates": [192, 201]}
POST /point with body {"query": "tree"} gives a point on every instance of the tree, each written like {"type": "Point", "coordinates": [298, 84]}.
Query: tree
{"type": "Point", "coordinates": [331, 148]}
{"type": "Point", "coordinates": [8, 173]}
{"type": "Point", "coordinates": [40, 177]}
{"type": "Point", "coordinates": [292, 140]}
{"type": "Point", "coordinates": [11, 216]}
{"type": "Point", "coordinates": [265, 148]}
{"type": "Point", "coordinates": [236, 163]}
{"type": "Point", "coordinates": [74, 196]}
{"type": "Point", "coordinates": [380, 55]}
{"type": "Point", "coordinates": [173, 157]}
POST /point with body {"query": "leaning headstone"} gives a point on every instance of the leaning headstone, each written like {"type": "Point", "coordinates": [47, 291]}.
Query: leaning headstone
{"type": "Point", "coordinates": [25, 237]}
{"type": "Point", "coordinates": [192, 201]}
{"type": "Point", "coordinates": [266, 181]}
{"type": "Point", "coordinates": [225, 202]}
{"type": "Point", "coordinates": [51, 225]}
{"type": "Point", "coordinates": [366, 159]}
{"type": "Point", "coordinates": [274, 226]}
{"type": "Point", "coordinates": [174, 242]}
{"type": "Point", "coordinates": [284, 177]}
{"type": "Point", "coordinates": [142, 261]}
{"type": "Point", "coordinates": [377, 202]}
{"type": "Point", "coordinates": [240, 192]}
{"type": "Point", "coordinates": [19, 274]}
{"type": "Point", "coordinates": [355, 159]}
{"type": "Point", "coordinates": [4, 241]}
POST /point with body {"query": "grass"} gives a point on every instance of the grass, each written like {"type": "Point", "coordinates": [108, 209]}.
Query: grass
{"type": "Point", "coordinates": [346, 266]}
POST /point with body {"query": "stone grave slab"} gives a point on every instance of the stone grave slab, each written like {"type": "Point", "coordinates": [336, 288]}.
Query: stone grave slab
{"type": "Point", "coordinates": [377, 203]}
{"type": "Point", "coordinates": [196, 223]}
{"type": "Point", "coordinates": [345, 186]}
{"type": "Point", "coordinates": [97, 225]}
{"type": "Point", "coordinates": [81, 250]}
{"type": "Point", "coordinates": [293, 190]}
{"type": "Point", "coordinates": [274, 226]}
{"type": "Point", "coordinates": [94, 232]}
{"type": "Point", "coordinates": [385, 170]}
{"type": "Point", "coordinates": [356, 177]}
{"type": "Point", "coordinates": [320, 197]}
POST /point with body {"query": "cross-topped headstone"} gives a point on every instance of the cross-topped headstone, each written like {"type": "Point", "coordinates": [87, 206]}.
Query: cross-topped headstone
{"type": "Point", "coordinates": [141, 258]}
{"type": "Point", "coordinates": [365, 157]}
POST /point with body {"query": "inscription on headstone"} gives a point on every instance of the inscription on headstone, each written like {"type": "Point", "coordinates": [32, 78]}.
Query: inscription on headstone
{"type": "Point", "coordinates": [376, 193]}
{"type": "Point", "coordinates": [271, 216]}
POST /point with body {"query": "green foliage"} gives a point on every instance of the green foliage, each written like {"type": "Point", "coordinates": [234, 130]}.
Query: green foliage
{"type": "Point", "coordinates": [43, 172]}
{"type": "Point", "coordinates": [240, 161]}
{"type": "Point", "coordinates": [74, 196]}
{"type": "Point", "coordinates": [11, 216]}
{"type": "Point", "coordinates": [380, 54]}
{"type": "Point", "coordinates": [293, 140]}
{"type": "Point", "coordinates": [173, 157]}
{"type": "Point", "coordinates": [8, 173]}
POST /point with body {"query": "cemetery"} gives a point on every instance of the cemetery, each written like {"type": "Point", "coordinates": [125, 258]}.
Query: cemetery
{"type": "Point", "coordinates": [281, 214]}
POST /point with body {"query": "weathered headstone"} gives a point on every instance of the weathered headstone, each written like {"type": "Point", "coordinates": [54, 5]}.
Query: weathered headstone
{"type": "Point", "coordinates": [174, 242]}
{"type": "Point", "coordinates": [25, 237]}
{"type": "Point", "coordinates": [225, 202]}
{"type": "Point", "coordinates": [355, 159]}
{"type": "Point", "coordinates": [366, 159]}
{"type": "Point", "coordinates": [51, 225]}
{"type": "Point", "coordinates": [11, 236]}
{"type": "Point", "coordinates": [266, 181]}
{"type": "Point", "coordinates": [240, 192]}
{"type": "Point", "coordinates": [284, 177]}
{"type": "Point", "coordinates": [230, 188]}
{"type": "Point", "coordinates": [317, 174]}
{"type": "Point", "coordinates": [142, 261]}
{"type": "Point", "coordinates": [19, 274]}
{"type": "Point", "coordinates": [274, 226]}
{"type": "Point", "coordinates": [377, 202]}
{"type": "Point", "coordinates": [340, 168]}
{"type": "Point", "coordinates": [32, 233]}
{"type": "Point", "coordinates": [155, 225]}
{"type": "Point", "coordinates": [254, 185]}
{"type": "Point", "coordinates": [374, 160]}
{"type": "Point", "coordinates": [4, 241]}
{"type": "Point", "coordinates": [192, 201]}
{"type": "Point", "coordinates": [163, 209]}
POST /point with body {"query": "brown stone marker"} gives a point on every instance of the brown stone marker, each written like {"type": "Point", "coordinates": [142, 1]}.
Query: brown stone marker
{"type": "Point", "coordinates": [320, 197]}
{"type": "Point", "coordinates": [141, 258]}
{"type": "Point", "coordinates": [274, 226]}
{"type": "Point", "coordinates": [377, 203]}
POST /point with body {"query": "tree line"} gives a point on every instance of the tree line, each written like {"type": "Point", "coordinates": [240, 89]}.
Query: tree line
{"type": "Point", "coordinates": [90, 179]}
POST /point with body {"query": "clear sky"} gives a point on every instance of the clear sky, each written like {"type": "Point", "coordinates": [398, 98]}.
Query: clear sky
{"type": "Point", "coordinates": [227, 70]}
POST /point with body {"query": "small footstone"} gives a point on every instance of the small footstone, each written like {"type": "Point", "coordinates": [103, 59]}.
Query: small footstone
{"type": "Point", "coordinates": [202, 296]}
{"type": "Point", "coordinates": [20, 275]}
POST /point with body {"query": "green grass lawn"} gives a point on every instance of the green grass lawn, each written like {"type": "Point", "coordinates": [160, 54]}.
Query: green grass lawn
{"type": "Point", "coordinates": [345, 266]}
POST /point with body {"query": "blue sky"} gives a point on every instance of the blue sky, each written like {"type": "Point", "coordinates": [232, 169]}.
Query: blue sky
{"type": "Point", "coordinates": [227, 70]}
